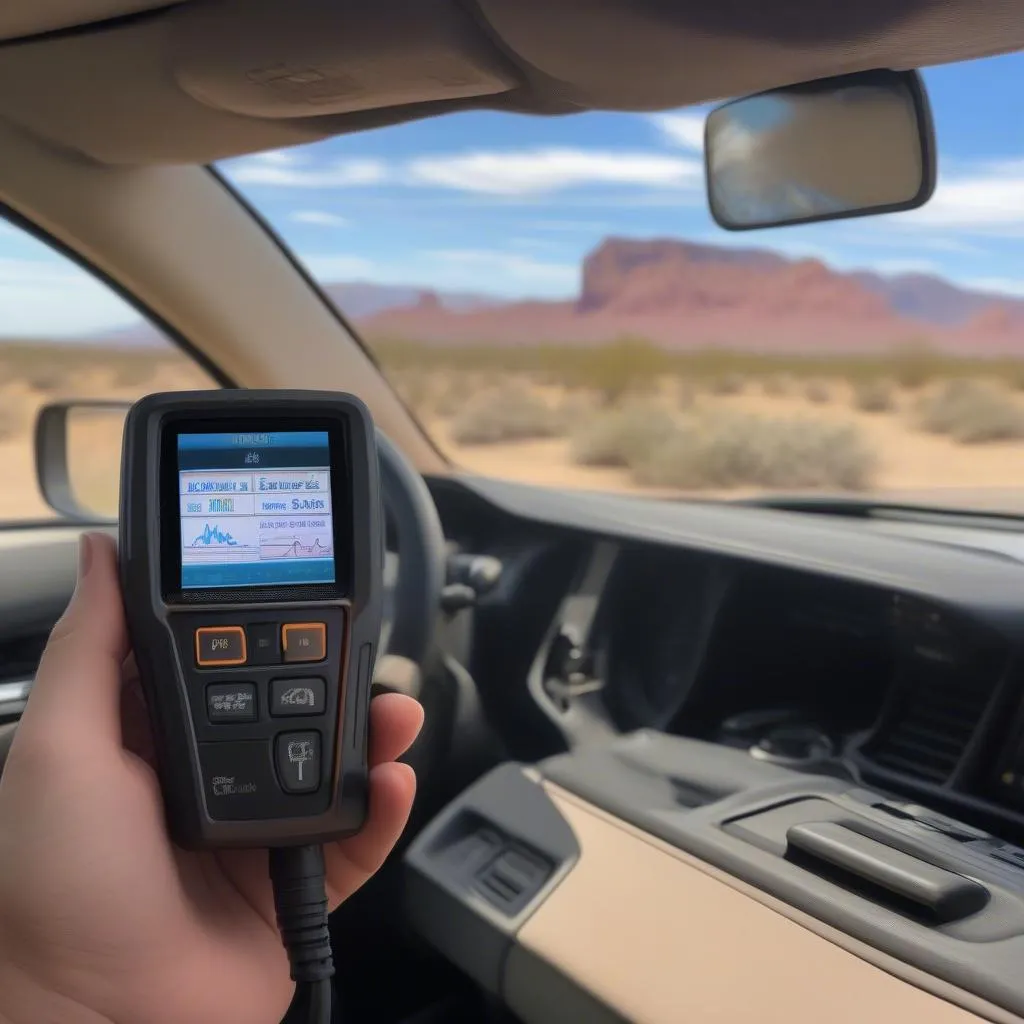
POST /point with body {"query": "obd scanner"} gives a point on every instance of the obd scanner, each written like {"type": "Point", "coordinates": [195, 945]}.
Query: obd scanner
{"type": "Point", "coordinates": [251, 554]}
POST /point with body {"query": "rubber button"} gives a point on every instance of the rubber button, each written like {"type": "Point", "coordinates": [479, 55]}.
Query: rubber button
{"type": "Point", "coordinates": [220, 646]}
{"type": "Point", "coordinates": [297, 696]}
{"type": "Point", "coordinates": [304, 641]}
{"type": "Point", "coordinates": [231, 702]}
{"type": "Point", "coordinates": [298, 761]}
{"type": "Point", "coordinates": [264, 643]}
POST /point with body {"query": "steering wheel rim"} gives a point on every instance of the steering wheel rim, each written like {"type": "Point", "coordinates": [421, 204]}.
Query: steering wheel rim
{"type": "Point", "coordinates": [421, 564]}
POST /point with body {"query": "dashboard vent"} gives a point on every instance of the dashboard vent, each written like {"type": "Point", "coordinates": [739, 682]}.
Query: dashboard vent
{"type": "Point", "coordinates": [929, 729]}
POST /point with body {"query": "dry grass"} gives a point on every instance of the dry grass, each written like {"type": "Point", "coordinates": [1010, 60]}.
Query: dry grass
{"type": "Point", "coordinates": [972, 412]}
{"type": "Point", "coordinates": [818, 392]}
{"type": "Point", "coordinates": [621, 437]}
{"type": "Point", "coordinates": [512, 412]}
{"type": "Point", "coordinates": [737, 450]}
{"type": "Point", "coordinates": [874, 396]}
{"type": "Point", "coordinates": [729, 384]}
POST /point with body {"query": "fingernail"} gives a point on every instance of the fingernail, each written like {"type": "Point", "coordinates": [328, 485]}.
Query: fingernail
{"type": "Point", "coordinates": [84, 555]}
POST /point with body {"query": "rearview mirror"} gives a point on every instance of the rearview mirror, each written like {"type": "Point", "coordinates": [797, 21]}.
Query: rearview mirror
{"type": "Point", "coordinates": [825, 150]}
{"type": "Point", "coordinates": [78, 458]}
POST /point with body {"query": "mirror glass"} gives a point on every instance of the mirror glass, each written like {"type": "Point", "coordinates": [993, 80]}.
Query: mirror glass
{"type": "Point", "coordinates": [93, 449]}
{"type": "Point", "coordinates": [830, 149]}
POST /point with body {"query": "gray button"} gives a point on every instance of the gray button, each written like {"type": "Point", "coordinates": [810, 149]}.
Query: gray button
{"type": "Point", "coordinates": [298, 761]}
{"type": "Point", "coordinates": [231, 702]}
{"type": "Point", "coordinates": [297, 696]}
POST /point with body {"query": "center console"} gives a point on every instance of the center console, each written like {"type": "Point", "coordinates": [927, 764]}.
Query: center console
{"type": "Point", "coordinates": [927, 898]}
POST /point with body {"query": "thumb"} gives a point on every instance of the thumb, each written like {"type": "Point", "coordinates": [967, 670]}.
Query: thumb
{"type": "Point", "coordinates": [77, 689]}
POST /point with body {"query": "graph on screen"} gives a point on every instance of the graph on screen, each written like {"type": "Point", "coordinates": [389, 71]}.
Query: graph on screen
{"type": "Point", "coordinates": [300, 546]}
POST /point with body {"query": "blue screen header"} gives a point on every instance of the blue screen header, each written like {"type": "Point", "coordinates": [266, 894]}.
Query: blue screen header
{"type": "Point", "coordinates": [273, 439]}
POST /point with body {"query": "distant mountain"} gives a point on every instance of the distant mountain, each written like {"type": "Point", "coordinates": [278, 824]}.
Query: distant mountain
{"type": "Point", "coordinates": [687, 295]}
{"type": "Point", "coordinates": [362, 298]}
{"type": "Point", "coordinates": [930, 298]}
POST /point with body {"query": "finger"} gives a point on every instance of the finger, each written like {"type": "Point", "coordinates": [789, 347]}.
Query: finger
{"type": "Point", "coordinates": [395, 722]}
{"type": "Point", "coordinates": [77, 689]}
{"type": "Point", "coordinates": [351, 862]}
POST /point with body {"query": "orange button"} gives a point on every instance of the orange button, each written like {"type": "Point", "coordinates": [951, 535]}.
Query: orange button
{"type": "Point", "coordinates": [304, 641]}
{"type": "Point", "coordinates": [220, 646]}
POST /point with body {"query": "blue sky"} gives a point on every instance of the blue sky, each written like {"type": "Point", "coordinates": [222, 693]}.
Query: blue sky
{"type": "Point", "coordinates": [509, 205]}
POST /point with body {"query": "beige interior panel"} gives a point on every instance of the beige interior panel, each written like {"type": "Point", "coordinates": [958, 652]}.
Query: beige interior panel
{"type": "Point", "coordinates": [176, 239]}
{"type": "Point", "coordinates": [658, 940]}
{"type": "Point", "coordinates": [30, 17]}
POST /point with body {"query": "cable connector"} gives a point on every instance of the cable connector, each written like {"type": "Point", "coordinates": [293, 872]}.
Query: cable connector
{"type": "Point", "coordinates": [300, 900]}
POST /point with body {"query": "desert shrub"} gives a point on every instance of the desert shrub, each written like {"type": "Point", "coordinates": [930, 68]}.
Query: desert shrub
{"type": "Point", "coordinates": [729, 384]}
{"type": "Point", "coordinates": [451, 392]}
{"type": "Point", "coordinates": [875, 395]}
{"type": "Point", "coordinates": [47, 380]}
{"type": "Point", "coordinates": [621, 437]}
{"type": "Point", "coordinates": [619, 368]}
{"type": "Point", "coordinates": [778, 385]}
{"type": "Point", "coordinates": [913, 366]}
{"type": "Point", "coordinates": [509, 413]}
{"type": "Point", "coordinates": [575, 407]}
{"type": "Point", "coordinates": [686, 394]}
{"type": "Point", "coordinates": [817, 391]}
{"type": "Point", "coordinates": [972, 412]}
{"type": "Point", "coordinates": [752, 451]}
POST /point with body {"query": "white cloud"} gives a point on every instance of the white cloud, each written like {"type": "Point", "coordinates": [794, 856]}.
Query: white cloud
{"type": "Point", "coordinates": [995, 285]}
{"type": "Point", "coordinates": [532, 172]}
{"type": "Point", "coordinates": [989, 198]}
{"type": "Point", "coordinates": [347, 173]}
{"type": "Point", "coordinates": [517, 269]}
{"type": "Point", "coordinates": [684, 130]}
{"type": "Point", "coordinates": [56, 299]}
{"type": "Point", "coordinates": [321, 218]}
{"type": "Point", "coordinates": [277, 158]}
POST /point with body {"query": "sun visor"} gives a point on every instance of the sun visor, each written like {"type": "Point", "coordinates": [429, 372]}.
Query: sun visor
{"type": "Point", "coordinates": [308, 58]}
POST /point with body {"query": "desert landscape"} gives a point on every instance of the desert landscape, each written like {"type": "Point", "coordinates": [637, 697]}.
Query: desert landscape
{"type": "Point", "coordinates": [679, 369]}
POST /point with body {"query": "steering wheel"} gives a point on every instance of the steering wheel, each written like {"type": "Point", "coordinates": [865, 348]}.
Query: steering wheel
{"type": "Point", "coordinates": [421, 573]}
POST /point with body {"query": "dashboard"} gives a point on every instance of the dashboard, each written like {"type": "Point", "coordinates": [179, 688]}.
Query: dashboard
{"type": "Point", "coordinates": [884, 651]}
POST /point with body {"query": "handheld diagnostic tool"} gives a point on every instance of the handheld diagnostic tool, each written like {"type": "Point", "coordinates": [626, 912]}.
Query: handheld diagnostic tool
{"type": "Point", "coordinates": [251, 549]}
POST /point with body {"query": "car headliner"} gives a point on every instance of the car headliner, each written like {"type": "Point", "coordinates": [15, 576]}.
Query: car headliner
{"type": "Point", "coordinates": [129, 81]}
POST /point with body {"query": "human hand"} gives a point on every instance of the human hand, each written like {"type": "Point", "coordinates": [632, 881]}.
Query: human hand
{"type": "Point", "coordinates": [102, 918]}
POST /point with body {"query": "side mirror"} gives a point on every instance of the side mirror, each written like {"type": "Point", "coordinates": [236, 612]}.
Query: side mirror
{"type": "Point", "coordinates": [826, 150]}
{"type": "Point", "coordinates": [78, 458]}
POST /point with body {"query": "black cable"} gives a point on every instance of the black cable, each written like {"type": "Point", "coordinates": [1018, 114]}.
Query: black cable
{"type": "Point", "coordinates": [300, 899]}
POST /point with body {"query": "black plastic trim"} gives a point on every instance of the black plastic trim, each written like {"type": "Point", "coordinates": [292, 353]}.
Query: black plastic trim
{"type": "Point", "coordinates": [926, 137]}
{"type": "Point", "coordinates": [442, 903]}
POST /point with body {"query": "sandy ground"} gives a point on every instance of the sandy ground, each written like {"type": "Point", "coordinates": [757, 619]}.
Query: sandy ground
{"type": "Point", "coordinates": [914, 466]}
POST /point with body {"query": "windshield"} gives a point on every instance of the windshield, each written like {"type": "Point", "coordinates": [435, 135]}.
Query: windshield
{"type": "Point", "coordinates": [552, 299]}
